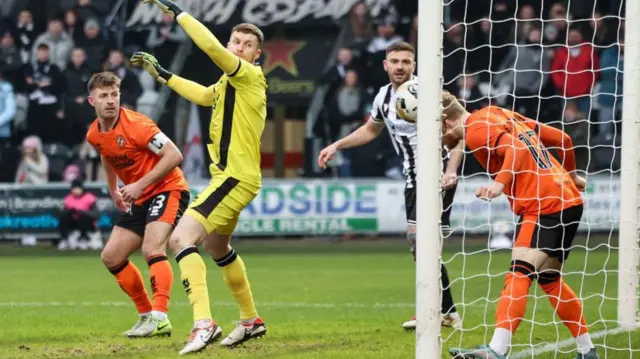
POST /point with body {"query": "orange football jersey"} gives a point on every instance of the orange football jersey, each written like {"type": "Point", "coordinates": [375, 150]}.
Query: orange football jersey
{"type": "Point", "coordinates": [535, 181]}
{"type": "Point", "coordinates": [125, 148]}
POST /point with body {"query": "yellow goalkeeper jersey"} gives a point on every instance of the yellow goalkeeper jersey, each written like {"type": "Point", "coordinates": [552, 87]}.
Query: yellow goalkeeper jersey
{"type": "Point", "coordinates": [237, 122]}
{"type": "Point", "coordinates": [239, 103]}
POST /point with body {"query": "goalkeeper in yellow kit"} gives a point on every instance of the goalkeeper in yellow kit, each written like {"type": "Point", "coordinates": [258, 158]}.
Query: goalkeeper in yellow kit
{"type": "Point", "coordinates": [239, 107]}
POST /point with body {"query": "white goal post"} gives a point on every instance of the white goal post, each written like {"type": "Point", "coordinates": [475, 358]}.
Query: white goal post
{"type": "Point", "coordinates": [429, 342]}
{"type": "Point", "coordinates": [629, 259]}
{"type": "Point", "coordinates": [428, 288]}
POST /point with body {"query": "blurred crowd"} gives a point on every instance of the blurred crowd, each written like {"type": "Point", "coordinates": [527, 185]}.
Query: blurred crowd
{"type": "Point", "coordinates": [48, 51]}
{"type": "Point", "coordinates": [558, 67]}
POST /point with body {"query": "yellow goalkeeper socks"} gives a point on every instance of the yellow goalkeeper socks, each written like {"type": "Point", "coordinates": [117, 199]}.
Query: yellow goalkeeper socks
{"type": "Point", "coordinates": [235, 275]}
{"type": "Point", "coordinates": [194, 279]}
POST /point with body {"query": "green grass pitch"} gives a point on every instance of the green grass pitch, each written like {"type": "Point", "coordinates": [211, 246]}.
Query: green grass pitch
{"type": "Point", "coordinates": [319, 299]}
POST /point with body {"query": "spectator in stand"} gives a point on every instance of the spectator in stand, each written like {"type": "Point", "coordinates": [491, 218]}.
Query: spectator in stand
{"type": "Point", "coordinates": [454, 55]}
{"type": "Point", "coordinates": [74, 26]}
{"type": "Point", "coordinates": [574, 70]}
{"type": "Point", "coordinates": [7, 112]}
{"type": "Point", "coordinates": [376, 52]}
{"type": "Point", "coordinates": [413, 33]}
{"type": "Point", "coordinates": [611, 82]}
{"type": "Point", "coordinates": [503, 33]}
{"type": "Point", "coordinates": [34, 165]}
{"type": "Point", "coordinates": [95, 44]}
{"type": "Point", "coordinates": [346, 113]}
{"type": "Point", "coordinates": [555, 30]}
{"type": "Point", "coordinates": [98, 8]}
{"type": "Point", "coordinates": [469, 93]}
{"type": "Point", "coordinates": [11, 64]}
{"type": "Point", "coordinates": [26, 35]}
{"type": "Point", "coordinates": [385, 35]}
{"type": "Point", "coordinates": [524, 72]}
{"type": "Point", "coordinates": [165, 38]}
{"type": "Point", "coordinates": [78, 227]}
{"type": "Point", "coordinates": [41, 10]}
{"type": "Point", "coordinates": [86, 10]}
{"type": "Point", "coordinates": [59, 42]}
{"type": "Point", "coordinates": [78, 113]}
{"type": "Point", "coordinates": [576, 126]}
{"type": "Point", "coordinates": [334, 77]}
{"type": "Point", "coordinates": [44, 86]}
{"type": "Point", "coordinates": [604, 31]}
{"type": "Point", "coordinates": [478, 49]}
{"type": "Point", "coordinates": [360, 28]}
{"type": "Point", "coordinates": [130, 88]}
{"type": "Point", "coordinates": [526, 19]}
{"type": "Point", "coordinates": [6, 6]}
{"type": "Point", "coordinates": [346, 109]}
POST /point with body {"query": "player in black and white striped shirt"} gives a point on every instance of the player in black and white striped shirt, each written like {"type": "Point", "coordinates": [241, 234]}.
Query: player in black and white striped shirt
{"type": "Point", "coordinates": [400, 65]}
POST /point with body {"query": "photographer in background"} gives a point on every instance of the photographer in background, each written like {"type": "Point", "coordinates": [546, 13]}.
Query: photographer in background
{"type": "Point", "coordinates": [78, 228]}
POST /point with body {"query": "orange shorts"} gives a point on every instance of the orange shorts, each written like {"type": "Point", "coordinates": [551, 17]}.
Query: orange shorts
{"type": "Point", "coordinates": [164, 207]}
{"type": "Point", "coordinates": [551, 233]}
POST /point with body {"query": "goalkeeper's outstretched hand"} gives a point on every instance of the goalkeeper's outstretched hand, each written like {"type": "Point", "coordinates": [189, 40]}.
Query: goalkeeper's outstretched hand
{"type": "Point", "coordinates": [168, 6]}
{"type": "Point", "coordinates": [149, 63]}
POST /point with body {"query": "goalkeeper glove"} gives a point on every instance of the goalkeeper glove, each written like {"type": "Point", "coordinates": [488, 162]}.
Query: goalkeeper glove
{"type": "Point", "coordinates": [149, 63]}
{"type": "Point", "coordinates": [168, 6]}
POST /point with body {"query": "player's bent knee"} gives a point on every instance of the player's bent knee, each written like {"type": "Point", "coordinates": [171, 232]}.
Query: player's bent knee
{"type": "Point", "coordinates": [177, 244]}
{"type": "Point", "coordinates": [217, 245]}
{"type": "Point", "coordinates": [111, 258]}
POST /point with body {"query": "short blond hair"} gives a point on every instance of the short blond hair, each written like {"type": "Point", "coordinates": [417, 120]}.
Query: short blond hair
{"type": "Point", "coordinates": [247, 28]}
{"type": "Point", "coordinates": [102, 80]}
{"type": "Point", "coordinates": [451, 107]}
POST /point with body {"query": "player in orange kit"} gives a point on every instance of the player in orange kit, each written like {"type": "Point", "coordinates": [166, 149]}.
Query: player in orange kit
{"type": "Point", "coordinates": [155, 196]}
{"type": "Point", "coordinates": [545, 193]}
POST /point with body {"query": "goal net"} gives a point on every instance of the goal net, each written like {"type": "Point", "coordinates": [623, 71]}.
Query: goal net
{"type": "Point", "coordinates": [559, 63]}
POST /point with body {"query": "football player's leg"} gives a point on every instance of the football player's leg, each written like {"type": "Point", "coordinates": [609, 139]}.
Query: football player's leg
{"type": "Point", "coordinates": [161, 278]}
{"type": "Point", "coordinates": [184, 242]}
{"type": "Point", "coordinates": [561, 296]}
{"type": "Point", "coordinates": [218, 245]}
{"type": "Point", "coordinates": [234, 273]}
{"type": "Point", "coordinates": [191, 231]}
{"type": "Point", "coordinates": [163, 213]}
{"type": "Point", "coordinates": [447, 205]}
{"type": "Point", "coordinates": [450, 317]}
{"type": "Point", "coordinates": [513, 298]}
{"type": "Point", "coordinates": [121, 244]}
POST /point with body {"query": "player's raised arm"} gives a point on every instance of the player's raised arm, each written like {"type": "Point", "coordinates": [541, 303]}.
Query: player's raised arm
{"type": "Point", "coordinates": [190, 90]}
{"type": "Point", "coordinates": [207, 42]}
{"type": "Point", "coordinates": [364, 134]}
{"type": "Point", "coordinates": [202, 37]}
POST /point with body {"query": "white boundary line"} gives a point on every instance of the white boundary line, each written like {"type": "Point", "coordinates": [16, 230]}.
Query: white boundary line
{"type": "Point", "coordinates": [17, 304]}
{"type": "Point", "coordinates": [548, 348]}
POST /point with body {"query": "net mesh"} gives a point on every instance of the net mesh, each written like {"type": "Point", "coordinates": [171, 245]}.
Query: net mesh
{"type": "Point", "coordinates": [559, 63]}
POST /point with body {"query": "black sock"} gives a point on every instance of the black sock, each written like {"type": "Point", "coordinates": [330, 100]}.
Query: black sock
{"type": "Point", "coordinates": [447, 299]}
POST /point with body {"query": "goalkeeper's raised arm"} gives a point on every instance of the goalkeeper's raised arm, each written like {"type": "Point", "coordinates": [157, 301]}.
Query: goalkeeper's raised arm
{"type": "Point", "coordinates": [241, 44]}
